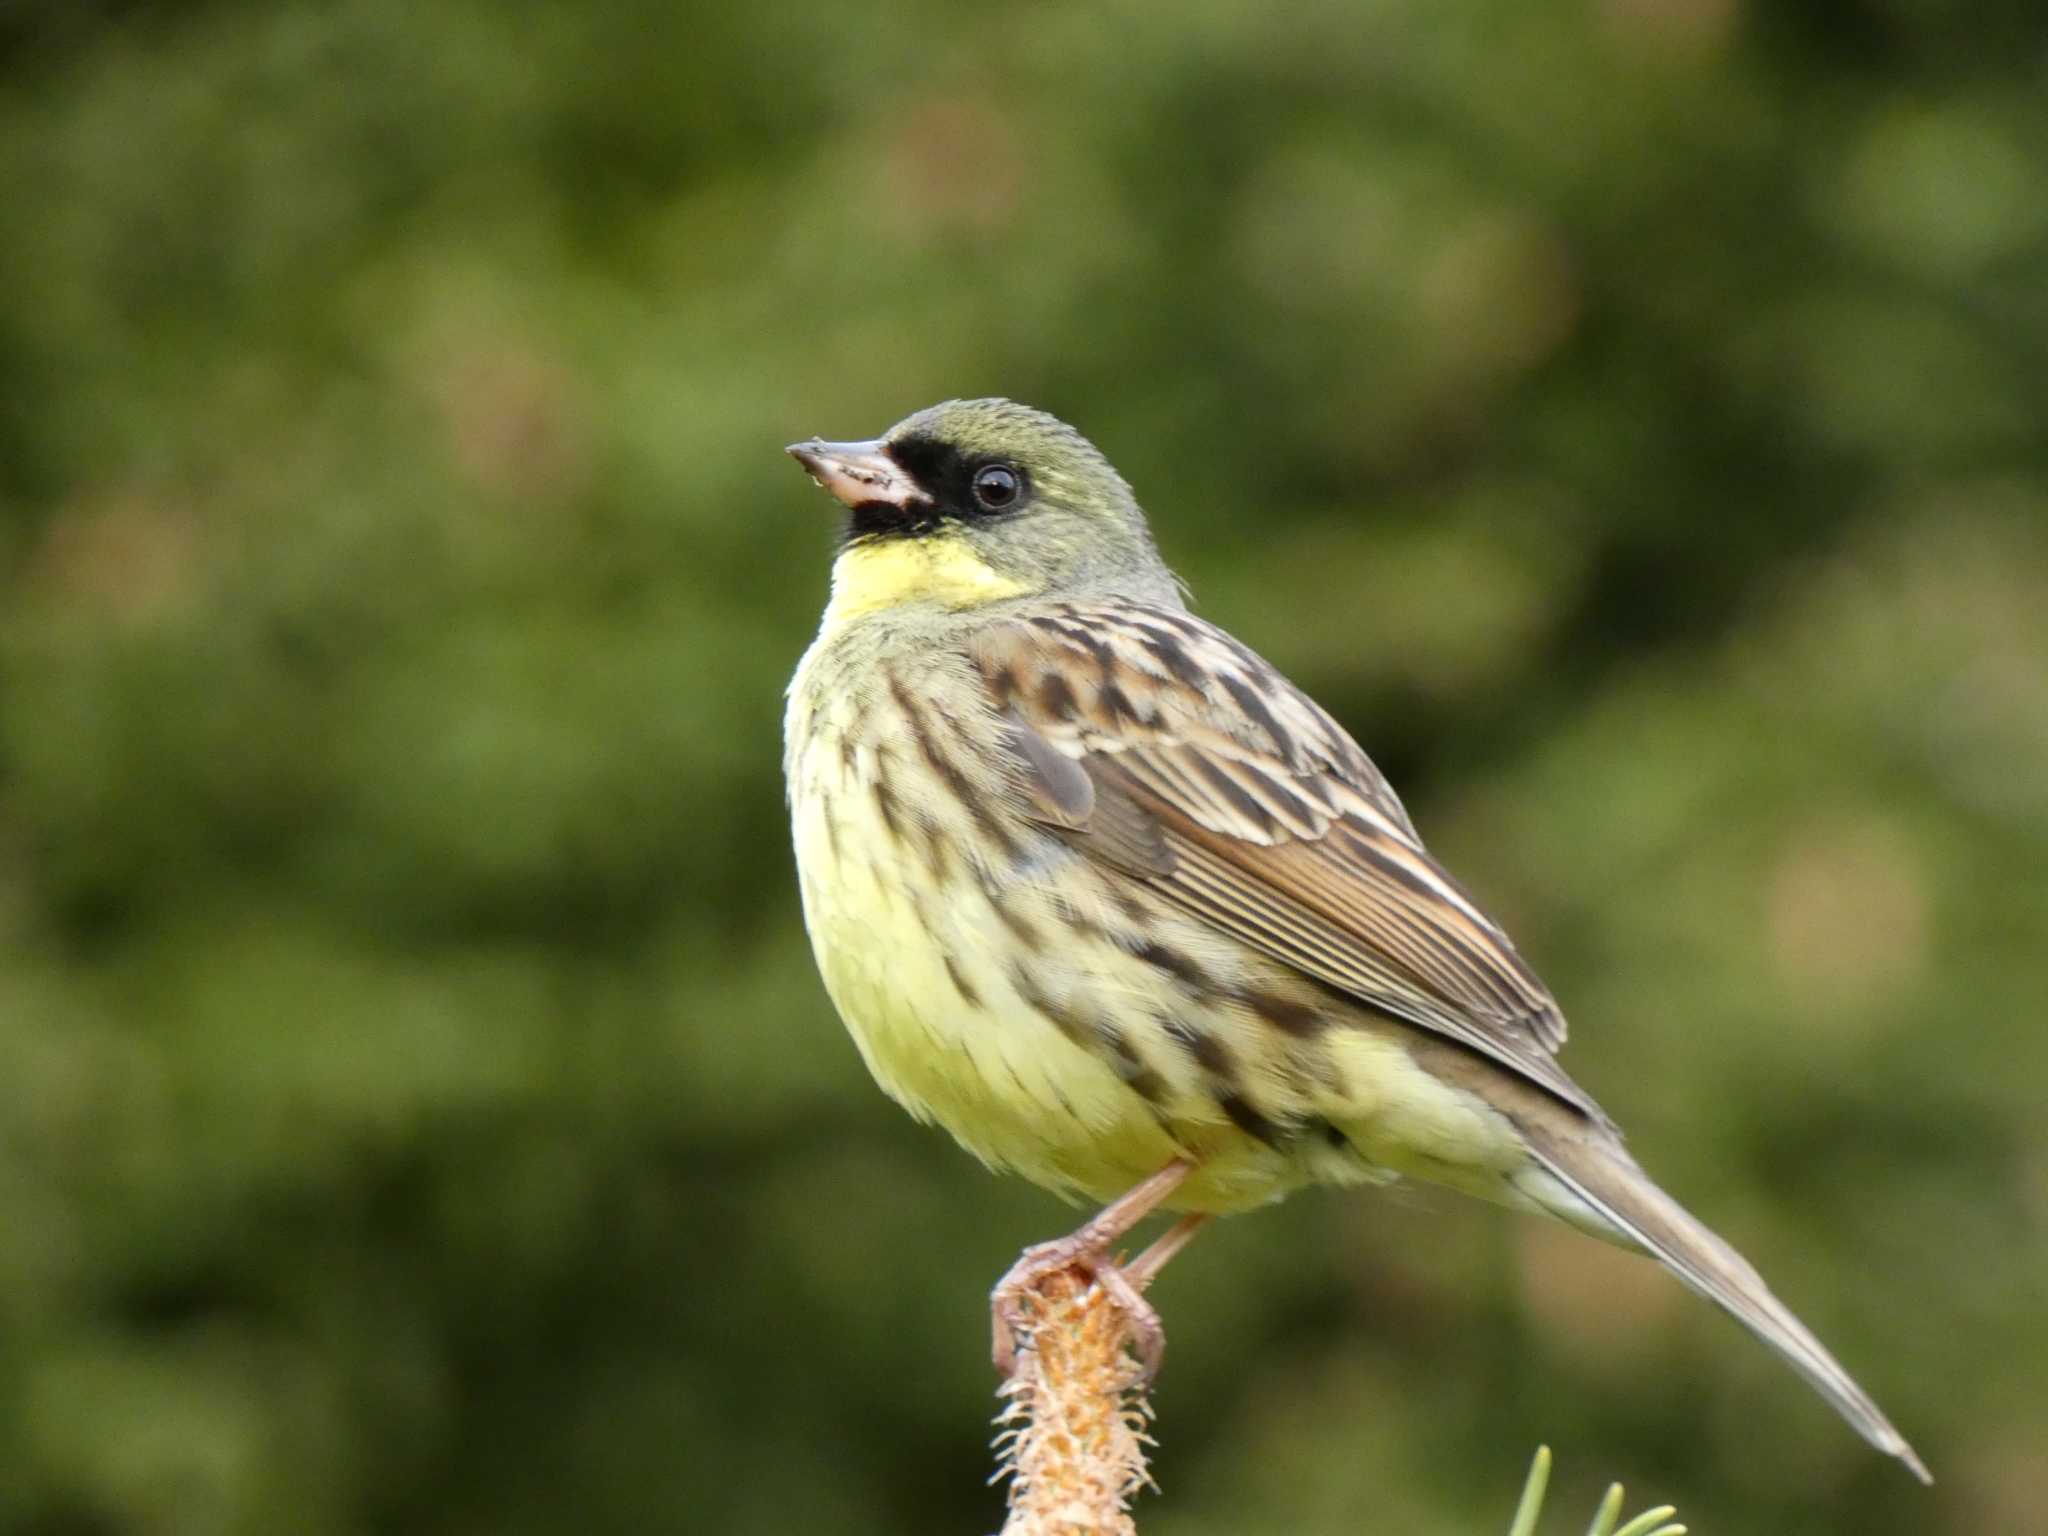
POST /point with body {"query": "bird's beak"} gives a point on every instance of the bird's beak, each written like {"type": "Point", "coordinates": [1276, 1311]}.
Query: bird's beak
{"type": "Point", "coordinates": [856, 473]}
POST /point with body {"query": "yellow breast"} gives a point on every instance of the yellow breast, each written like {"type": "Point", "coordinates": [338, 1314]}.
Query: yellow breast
{"type": "Point", "coordinates": [922, 962]}
{"type": "Point", "coordinates": [999, 985]}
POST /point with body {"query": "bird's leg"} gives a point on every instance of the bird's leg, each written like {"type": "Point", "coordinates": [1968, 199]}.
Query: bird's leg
{"type": "Point", "coordinates": [1126, 1284]}
{"type": "Point", "coordinates": [1087, 1249]}
{"type": "Point", "coordinates": [1144, 1269]}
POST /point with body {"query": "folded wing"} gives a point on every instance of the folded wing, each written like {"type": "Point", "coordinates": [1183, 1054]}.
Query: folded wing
{"type": "Point", "coordinates": [1159, 746]}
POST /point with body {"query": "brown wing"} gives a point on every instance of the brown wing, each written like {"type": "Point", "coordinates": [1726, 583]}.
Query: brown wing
{"type": "Point", "coordinates": [1164, 749]}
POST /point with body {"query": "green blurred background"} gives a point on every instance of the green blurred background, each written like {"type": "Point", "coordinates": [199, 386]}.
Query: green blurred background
{"type": "Point", "coordinates": [417, 1109]}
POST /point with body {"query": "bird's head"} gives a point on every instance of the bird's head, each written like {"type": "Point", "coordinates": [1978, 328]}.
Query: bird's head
{"type": "Point", "coordinates": [978, 501]}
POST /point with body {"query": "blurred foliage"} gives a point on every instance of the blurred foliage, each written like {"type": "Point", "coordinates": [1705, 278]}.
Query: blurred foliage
{"type": "Point", "coordinates": [417, 1110]}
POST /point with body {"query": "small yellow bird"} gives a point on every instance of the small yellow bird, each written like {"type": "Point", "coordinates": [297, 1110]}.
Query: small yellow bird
{"type": "Point", "coordinates": [1104, 895]}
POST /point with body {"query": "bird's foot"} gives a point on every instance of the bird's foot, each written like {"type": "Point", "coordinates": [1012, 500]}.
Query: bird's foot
{"type": "Point", "coordinates": [1010, 1304]}
{"type": "Point", "coordinates": [1088, 1252]}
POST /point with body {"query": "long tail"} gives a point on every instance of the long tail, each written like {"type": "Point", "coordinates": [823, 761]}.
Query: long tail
{"type": "Point", "coordinates": [1603, 1176]}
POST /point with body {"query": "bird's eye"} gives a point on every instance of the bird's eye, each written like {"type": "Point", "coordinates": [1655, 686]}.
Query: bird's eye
{"type": "Point", "coordinates": [996, 486]}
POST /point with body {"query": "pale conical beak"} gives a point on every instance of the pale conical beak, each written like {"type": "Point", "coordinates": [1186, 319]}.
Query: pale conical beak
{"type": "Point", "coordinates": [855, 472]}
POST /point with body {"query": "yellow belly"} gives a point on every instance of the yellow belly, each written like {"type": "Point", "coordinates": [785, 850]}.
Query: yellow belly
{"type": "Point", "coordinates": [1007, 1004]}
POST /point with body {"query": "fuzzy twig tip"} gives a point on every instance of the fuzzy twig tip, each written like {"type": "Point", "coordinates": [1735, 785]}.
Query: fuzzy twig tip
{"type": "Point", "coordinates": [1073, 1438]}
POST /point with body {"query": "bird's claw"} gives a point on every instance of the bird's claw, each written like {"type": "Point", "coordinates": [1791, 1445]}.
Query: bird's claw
{"type": "Point", "coordinates": [1010, 1324]}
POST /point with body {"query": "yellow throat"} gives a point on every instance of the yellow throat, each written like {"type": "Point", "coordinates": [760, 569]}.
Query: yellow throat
{"type": "Point", "coordinates": [943, 569]}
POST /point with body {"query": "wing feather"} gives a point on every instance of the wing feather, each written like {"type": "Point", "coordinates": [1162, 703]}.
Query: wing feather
{"type": "Point", "coordinates": [1213, 782]}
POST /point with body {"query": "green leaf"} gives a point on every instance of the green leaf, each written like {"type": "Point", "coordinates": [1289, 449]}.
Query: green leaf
{"type": "Point", "coordinates": [1532, 1494]}
{"type": "Point", "coordinates": [1651, 1522]}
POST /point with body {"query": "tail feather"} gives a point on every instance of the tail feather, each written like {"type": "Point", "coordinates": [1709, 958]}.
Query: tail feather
{"type": "Point", "coordinates": [1602, 1176]}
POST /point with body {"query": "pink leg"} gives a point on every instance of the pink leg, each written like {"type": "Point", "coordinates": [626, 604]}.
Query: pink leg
{"type": "Point", "coordinates": [1086, 1249]}
{"type": "Point", "coordinates": [1127, 1283]}
{"type": "Point", "coordinates": [1144, 1269]}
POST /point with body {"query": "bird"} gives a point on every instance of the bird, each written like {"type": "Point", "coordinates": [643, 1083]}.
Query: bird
{"type": "Point", "coordinates": [1097, 890]}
